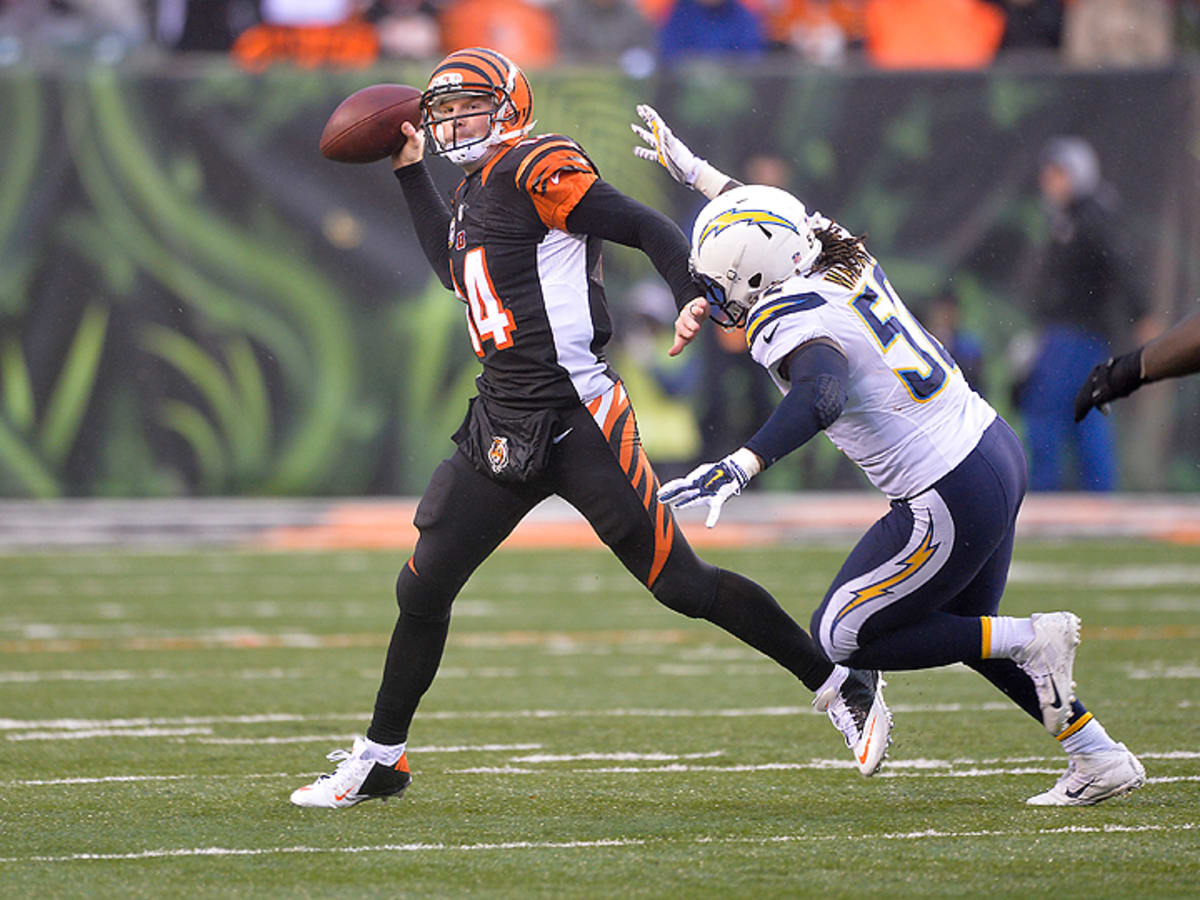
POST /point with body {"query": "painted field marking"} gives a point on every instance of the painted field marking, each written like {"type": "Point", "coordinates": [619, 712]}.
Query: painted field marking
{"type": "Point", "coordinates": [603, 843]}
{"type": "Point", "coordinates": [101, 675]}
{"type": "Point", "coordinates": [53, 639]}
{"type": "Point", "coordinates": [78, 725]}
{"type": "Point", "coordinates": [920, 767]}
{"type": "Point", "coordinates": [67, 725]}
{"type": "Point", "coordinates": [89, 733]}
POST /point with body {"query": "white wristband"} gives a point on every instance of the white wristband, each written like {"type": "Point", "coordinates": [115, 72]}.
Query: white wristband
{"type": "Point", "coordinates": [748, 460]}
{"type": "Point", "coordinates": [709, 180]}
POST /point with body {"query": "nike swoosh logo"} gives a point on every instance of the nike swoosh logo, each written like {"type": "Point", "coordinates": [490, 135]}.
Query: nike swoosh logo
{"type": "Point", "coordinates": [1074, 795]}
{"type": "Point", "coordinates": [563, 435]}
{"type": "Point", "coordinates": [1057, 699]}
{"type": "Point", "coordinates": [340, 797]}
{"type": "Point", "coordinates": [870, 736]}
{"type": "Point", "coordinates": [767, 337]}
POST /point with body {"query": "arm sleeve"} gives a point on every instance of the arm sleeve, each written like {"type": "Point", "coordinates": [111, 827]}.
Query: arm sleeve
{"type": "Point", "coordinates": [607, 213]}
{"type": "Point", "coordinates": [430, 217]}
{"type": "Point", "coordinates": [818, 374]}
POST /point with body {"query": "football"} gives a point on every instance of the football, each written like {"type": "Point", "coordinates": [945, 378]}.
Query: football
{"type": "Point", "coordinates": [365, 127]}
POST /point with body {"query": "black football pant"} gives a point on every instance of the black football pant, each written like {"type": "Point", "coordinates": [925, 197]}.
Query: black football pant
{"type": "Point", "coordinates": [600, 469]}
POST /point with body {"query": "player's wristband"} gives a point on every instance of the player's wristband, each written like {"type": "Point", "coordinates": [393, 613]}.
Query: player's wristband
{"type": "Point", "coordinates": [747, 460]}
{"type": "Point", "coordinates": [709, 181]}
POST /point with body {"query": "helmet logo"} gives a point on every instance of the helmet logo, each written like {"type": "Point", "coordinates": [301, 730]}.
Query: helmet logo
{"type": "Point", "coordinates": [738, 216]}
{"type": "Point", "coordinates": [498, 454]}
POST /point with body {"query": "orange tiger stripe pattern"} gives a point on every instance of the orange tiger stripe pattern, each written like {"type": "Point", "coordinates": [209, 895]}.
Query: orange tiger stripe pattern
{"type": "Point", "coordinates": [555, 174]}
{"type": "Point", "coordinates": [614, 414]}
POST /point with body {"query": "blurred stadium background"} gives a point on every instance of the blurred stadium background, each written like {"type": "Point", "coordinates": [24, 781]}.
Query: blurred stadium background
{"type": "Point", "coordinates": [194, 303]}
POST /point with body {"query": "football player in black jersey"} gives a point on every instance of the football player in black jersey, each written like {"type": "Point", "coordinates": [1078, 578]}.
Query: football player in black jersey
{"type": "Point", "coordinates": [520, 248]}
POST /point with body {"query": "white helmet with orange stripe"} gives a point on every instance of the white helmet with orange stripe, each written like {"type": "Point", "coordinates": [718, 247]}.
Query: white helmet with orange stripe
{"type": "Point", "coordinates": [476, 72]}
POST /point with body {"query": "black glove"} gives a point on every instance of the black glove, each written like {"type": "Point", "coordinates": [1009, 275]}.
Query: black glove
{"type": "Point", "coordinates": [1119, 377]}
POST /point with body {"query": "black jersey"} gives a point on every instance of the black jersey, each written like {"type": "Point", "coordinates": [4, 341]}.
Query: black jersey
{"type": "Point", "coordinates": [533, 292]}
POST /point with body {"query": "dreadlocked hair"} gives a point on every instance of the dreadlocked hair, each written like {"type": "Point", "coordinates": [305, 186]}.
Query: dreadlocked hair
{"type": "Point", "coordinates": [841, 256]}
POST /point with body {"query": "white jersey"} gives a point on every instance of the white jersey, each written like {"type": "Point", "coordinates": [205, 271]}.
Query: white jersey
{"type": "Point", "coordinates": [910, 416]}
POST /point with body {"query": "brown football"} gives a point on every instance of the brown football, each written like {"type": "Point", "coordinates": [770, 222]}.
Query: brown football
{"type": "Point", "coordinates": [365, 127]}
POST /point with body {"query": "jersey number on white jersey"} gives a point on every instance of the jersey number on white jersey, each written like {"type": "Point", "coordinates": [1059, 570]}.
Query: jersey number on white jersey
{"type": "Point", "coordinates": [917, 357]}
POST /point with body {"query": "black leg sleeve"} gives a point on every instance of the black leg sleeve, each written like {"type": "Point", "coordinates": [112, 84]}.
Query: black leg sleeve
{"type": "Point", "coordinates": [413, 657]}
{"type": "Point", "coordinates": [749, 613]}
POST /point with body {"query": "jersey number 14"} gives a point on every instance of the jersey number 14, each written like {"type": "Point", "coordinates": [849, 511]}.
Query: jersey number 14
{"type": "Point", "coordinates": [487, 317]}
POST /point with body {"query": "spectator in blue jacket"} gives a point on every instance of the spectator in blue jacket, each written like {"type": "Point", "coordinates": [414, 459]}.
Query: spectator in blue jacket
{"type": "Point", "coordinates": [704, 27]}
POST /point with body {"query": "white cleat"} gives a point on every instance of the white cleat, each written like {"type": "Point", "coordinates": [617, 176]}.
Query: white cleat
{"type": "Point", "coordinates": [1092, 777]}
{"type": "Point", "coordinates": [1049, 659]}
{"type": "Point", "coordinates": [855, 706]}
{"type": "Point", "coordinates": [355, 779]}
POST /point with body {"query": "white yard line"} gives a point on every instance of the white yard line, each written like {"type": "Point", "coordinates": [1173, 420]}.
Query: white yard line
{"type": "Point", "coordinates": [894, 768]}
{"type": "Point", "coordinates": [929, 834]}
{"type": "Point", "coordinates": [454, 715]}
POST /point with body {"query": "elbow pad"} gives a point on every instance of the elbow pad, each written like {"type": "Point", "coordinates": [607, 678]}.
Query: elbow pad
{"type": "Point", "coordinates": [829, 399]}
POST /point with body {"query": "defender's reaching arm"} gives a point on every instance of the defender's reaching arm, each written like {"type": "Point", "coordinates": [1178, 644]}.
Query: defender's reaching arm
{"type": "Point", "coordinates": [1173, 353]}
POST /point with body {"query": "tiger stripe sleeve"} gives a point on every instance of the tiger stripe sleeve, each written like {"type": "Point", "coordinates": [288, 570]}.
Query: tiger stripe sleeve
{"type": "Point", "coordinates": [556, 174]}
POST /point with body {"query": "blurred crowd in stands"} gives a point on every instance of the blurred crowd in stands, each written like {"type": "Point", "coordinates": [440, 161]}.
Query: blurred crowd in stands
{"type": "Point", "coordinates": [637, 34]}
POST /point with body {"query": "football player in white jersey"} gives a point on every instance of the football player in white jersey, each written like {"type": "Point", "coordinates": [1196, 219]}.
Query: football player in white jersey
{"type": "Point", "coordinates": [922, 587]}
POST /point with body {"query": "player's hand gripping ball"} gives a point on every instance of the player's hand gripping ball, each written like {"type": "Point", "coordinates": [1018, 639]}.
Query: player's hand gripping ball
{"type": "Point", "coordinates": [365, 127]}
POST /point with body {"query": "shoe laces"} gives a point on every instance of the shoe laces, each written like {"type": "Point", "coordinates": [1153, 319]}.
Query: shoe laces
{"type": "Point", "coordinates": [344, 758]}
{"type": "Point", "coordinates": [848, 720]}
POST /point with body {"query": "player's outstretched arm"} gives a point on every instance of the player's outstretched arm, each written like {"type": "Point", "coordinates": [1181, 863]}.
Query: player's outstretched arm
{"type": "Point", "coordinates": [818, 371]}
{"type": "Point", "coordinates": [712, 483]}
{"type": "Point", "coordinates": [1175, 352]}
{"type": "Point", "coordinates": [673, 155]}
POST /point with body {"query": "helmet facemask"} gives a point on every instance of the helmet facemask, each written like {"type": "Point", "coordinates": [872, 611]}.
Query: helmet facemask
{"type": "Point", "coordinates": [476, 72]}
{"type": "Point", "coordinates": [729, 301]}
{"type": "Point", "coordinates": [439, 126]}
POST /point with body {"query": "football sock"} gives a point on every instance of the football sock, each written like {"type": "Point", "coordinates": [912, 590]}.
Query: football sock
{"type": "Point", "coordinates": [1085, 734]}
{"type": "Point", "coordinates": [749, 613]}
{"type": "Point", "coordinates": [1004, 635]}
{"type": "Point", "coordinates": [388, 754]}
{"type": "Point", "coordinates": [838, 673]}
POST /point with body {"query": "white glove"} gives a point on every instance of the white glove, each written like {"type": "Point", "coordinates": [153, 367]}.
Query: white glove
{"type": "Point", "coordinates": [668, 151]}
{"type": "Point", "coordinates": [712, 483]}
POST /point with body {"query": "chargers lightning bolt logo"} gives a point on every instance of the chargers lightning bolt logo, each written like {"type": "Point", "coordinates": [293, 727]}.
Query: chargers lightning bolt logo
{"type": "Point", "coordinates": [910, 565]}
{"type": "Point", "coordinates": [738, 216]}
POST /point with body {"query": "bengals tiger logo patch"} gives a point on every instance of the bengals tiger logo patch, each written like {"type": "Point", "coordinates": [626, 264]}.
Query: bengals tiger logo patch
{"type": "Point", "coordinates": [498, 454]}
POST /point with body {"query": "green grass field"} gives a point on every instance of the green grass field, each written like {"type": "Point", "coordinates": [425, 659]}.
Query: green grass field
{"type": "Point", "coordinates": [580, 741]}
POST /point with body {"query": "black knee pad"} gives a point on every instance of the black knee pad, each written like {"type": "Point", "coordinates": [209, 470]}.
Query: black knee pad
{"type": "Point", "coordinates": [687, 586]}
{"type": "Point", "coordinates": [421, 600]}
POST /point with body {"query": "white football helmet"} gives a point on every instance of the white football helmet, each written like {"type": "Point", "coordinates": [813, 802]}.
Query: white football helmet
{"type": "Point", "coordinates": [747, 240]}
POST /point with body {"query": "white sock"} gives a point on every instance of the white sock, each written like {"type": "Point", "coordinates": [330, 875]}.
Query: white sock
{"type": "Point", "coordinates": [1091, 738]}
{"type": "Point", "coordinates": [1003, 636]}
{"type": "Point", "coordinates": [837, 676]}
{"type": "Point", "coordinates": [388, 754]}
